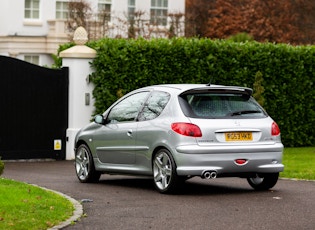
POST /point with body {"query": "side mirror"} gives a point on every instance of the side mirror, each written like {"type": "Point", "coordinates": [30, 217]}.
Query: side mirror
{"type": "Point", "coordinates": [99, 119]}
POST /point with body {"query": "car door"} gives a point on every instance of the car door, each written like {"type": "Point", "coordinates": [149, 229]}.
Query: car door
{"type": "Point", "coordinates": [115, 141]}
{"type": "Point", "coordinates": [151, 129]}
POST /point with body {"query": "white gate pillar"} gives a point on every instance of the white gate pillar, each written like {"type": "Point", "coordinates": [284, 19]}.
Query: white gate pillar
{"type": "Point", "coordinates": [81, 102]}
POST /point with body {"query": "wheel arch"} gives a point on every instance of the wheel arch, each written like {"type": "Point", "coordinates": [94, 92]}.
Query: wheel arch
{"type": "Point", "coordinates": [82, 142]}
{"type": "Point", "coordinates": [158, 148]}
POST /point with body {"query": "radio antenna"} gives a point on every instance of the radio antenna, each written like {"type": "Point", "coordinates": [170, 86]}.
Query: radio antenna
{"type": "Point", "coordinates": [210, 81]}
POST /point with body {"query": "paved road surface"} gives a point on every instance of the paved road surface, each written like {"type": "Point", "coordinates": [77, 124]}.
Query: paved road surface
{"type": "Point", "coordinates": [125, 202]}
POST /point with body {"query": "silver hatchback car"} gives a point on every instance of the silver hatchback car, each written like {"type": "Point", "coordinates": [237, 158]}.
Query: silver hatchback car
{"type": "Point", "coordinates": [178, 131]}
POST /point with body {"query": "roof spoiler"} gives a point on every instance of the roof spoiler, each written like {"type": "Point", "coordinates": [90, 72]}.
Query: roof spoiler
{"type": "Point", "coordinates": [227, 89]}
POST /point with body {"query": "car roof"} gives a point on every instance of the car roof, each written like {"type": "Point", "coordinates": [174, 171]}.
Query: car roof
{"type": "Point", "coordinates": [181, 88]}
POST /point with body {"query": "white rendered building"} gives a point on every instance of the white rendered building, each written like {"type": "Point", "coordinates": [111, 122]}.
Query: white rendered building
{"type": "Point", "coordinates": [32, 30]}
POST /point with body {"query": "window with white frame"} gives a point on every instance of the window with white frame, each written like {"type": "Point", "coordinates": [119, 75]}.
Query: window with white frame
{"type": "Point", "coordinates": [34, 59]}
{"type": "Point", "coordinates": [159, 12]}
{"type": "Point", "coordinates": [31, 9]}
{"type": "Point", "coordinates": [104, 9]}
{"type": "Point", "coordinates": [131, 9]}
{"type": "Point", "coordinates": [62, 9]}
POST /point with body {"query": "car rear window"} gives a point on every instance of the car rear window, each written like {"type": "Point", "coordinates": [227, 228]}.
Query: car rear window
{"type": "Point", "coordinates": [220, 105]}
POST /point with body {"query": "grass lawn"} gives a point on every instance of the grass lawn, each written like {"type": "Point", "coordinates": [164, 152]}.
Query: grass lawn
{"type": "Point", "coordinates": [299, 163]}
{"type": "Point", "coordinates": [23, 206]}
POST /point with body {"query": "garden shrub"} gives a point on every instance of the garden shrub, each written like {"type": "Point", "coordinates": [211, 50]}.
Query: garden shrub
{"type": "Point", "coordinates": [259, 89]}
{"type": "Point", "coordinates": [1, 166]}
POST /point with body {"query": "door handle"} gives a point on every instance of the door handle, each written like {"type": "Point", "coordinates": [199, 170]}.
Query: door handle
{"type": "Point", "coordinates": [129, 133]}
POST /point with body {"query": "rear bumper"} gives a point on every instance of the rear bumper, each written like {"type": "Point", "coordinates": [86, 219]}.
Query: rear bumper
{"type": "Point", "coordinates": [194, 160]}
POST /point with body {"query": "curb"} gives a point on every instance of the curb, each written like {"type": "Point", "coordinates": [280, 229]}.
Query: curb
{"type": "Point", "coordinates": [77, 212]}
{"type": "Point", "coordinates": [296, 179]}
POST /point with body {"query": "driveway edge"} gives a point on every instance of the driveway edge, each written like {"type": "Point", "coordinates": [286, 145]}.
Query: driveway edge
{"type": "Point", "coordinates": [77, 212]}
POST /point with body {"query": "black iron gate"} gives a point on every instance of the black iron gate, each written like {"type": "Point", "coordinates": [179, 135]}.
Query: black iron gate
{"type": "Point", "coordinates": [34, 110]}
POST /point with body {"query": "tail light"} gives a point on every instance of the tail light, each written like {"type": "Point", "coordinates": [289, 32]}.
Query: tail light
{"type": "Point", "coordinates": [275, 130]}
{"type": "Point", "coordinates": [187, 129]}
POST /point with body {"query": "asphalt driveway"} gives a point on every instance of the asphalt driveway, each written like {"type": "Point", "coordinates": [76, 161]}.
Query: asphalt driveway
{"type": "Point", "coordinates": [125, 202]}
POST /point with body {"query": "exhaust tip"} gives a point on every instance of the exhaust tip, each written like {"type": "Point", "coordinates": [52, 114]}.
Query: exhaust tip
{"type": "Point", "coordinates": [209, 174]}
{"type": "Point", "coordinates": [213, 175]}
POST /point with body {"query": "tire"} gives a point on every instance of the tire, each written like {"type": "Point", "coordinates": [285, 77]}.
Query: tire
{"type": "Point", "coordinates": [84, 165]}
{"type": "Point", "coordinates": [164, 172]}
{"type": "Point", "coordinates": [263, 181]}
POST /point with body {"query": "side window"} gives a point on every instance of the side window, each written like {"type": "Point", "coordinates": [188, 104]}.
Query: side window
{"type": "Point", "coordinates": [154, 105]}
{"type": "Point", "coordinates": [159, 12]}
{"type": "Point", "coordinates": [34, 59]}
{"type": "Point", "coordinates": [31, 9]}
{"type": "Point", "coordinates": [62, 9]}
{"type": "Point", "coordinates": [127, 109]}
{"type": "Point", "coordinates": [104, 10]}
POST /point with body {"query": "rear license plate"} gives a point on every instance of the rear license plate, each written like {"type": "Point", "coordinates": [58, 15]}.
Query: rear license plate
{"type": "Point", "coordinates": [239, 136]}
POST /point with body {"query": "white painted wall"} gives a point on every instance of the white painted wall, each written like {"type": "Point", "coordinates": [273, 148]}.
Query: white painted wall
{"type": "Point", "coordinates": [12, 18]}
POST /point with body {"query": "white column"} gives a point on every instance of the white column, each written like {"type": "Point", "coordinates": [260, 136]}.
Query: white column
{"type": "Point", "coordinates": [81, 103]}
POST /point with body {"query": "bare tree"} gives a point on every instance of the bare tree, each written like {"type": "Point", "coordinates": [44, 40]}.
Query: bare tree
{"type": "Point", "coordinates": [79, 14]}
{"type": "Point", "coordinates": [102, 23]}
{"type": "Point", "coordinates": [176, 25]}
{"type": "Point", "coordinates": [196, 17]}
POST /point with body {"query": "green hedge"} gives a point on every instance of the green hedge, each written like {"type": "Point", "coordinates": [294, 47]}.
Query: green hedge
{"type": "Point", "coordinates": [1, 166]}
{"type": "Point", "coordinates": [288, 74]}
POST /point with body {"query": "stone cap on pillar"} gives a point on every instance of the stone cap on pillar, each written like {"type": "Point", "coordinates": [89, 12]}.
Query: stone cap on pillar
{"type": "Point", "coordinates": [80, 50]}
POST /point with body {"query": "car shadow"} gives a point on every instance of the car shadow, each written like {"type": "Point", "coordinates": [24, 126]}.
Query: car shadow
{"type": "Point", "coordinates": [193, 187]}
{"type": "Point", "coordinates": [190, 187]}
{"type": "Point", "coordinates": [143, 183]}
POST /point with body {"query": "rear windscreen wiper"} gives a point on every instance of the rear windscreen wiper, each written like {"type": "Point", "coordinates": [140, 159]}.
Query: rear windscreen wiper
{"type": "Point", "coordinates": [244, 112]}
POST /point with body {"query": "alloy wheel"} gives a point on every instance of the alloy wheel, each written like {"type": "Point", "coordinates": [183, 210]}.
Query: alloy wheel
{"type": "Point", "coordinates": [163, 170]}
{"type": "Point", "coordinates": [82, 163]}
